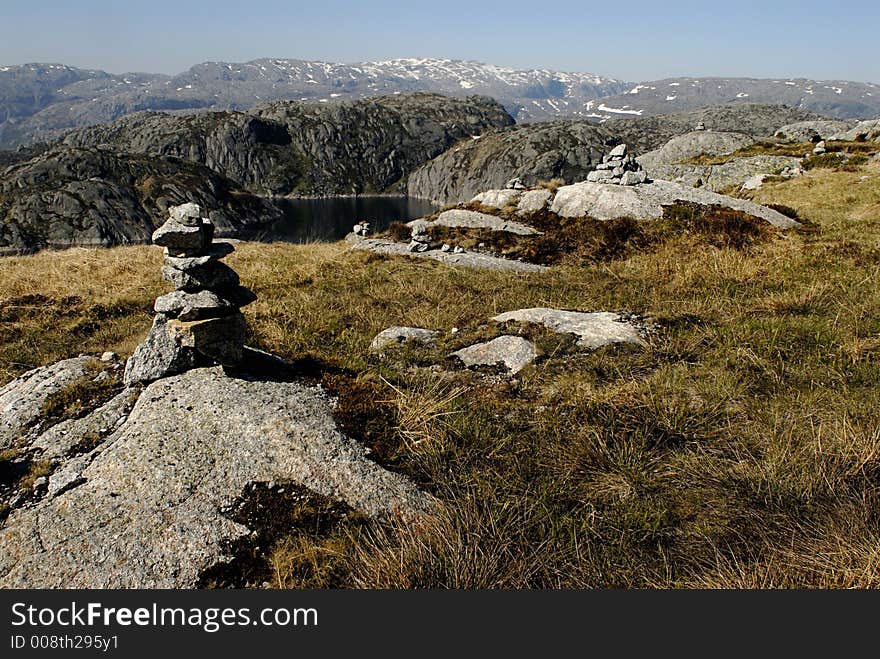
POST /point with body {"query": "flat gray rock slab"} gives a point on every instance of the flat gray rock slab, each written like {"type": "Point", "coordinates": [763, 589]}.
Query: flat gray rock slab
{"type": "Point", "coordinates": [511, 352]}
{"type": "Point", "coordinates": [497, 198]}
{"type": "Point", "coordinates": [60, 440]}
{"type": "Point", "coordinates": [473, 260]}
{"type": "Point", "coordinates": [593, 330]}
{"type": "Point", "coordinates": [466, 219]}
{"type": "Point", "coordinates": [646, 201]}
{"type": "Point", "coordinates": [395, 336]}
{"type": "Point", "coordinates": [21, 400]}
{"type": "Point", "coordinates": [145, 512]}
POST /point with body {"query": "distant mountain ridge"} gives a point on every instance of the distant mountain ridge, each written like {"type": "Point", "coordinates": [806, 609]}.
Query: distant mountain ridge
{"type": "Point", "coordinates": [40, 102]}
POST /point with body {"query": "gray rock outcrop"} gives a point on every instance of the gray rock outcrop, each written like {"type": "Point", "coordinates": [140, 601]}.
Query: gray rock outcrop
{"type": "Point", "coordinates": [693, 144]}
{"type": "Point", "coordinates": [593, 330]}
{"type": "Point", "coordinates": [95, 197]}
{"type": "Point", "coordinates": [462, 259]}
{"type": "Point", "coordinates": [200, 322]}
{"type": "Point", "coordinates": [289, 147]}
{"type": "Point", "coordinates": [512, 353]}
{"type": "Point", "coordinates": [498, 198]}
{"type": "Point", "coordinates": [864, 131]}
{"type": "Point", "coordinates": [144, 508]}
{"type": "Point", "coordinates": [468, 219]}
{"type": "Point", "coordinates": [809, 131]}
{"type": "Point", "coordinates": [642, 202]}
{"type": "Point", "coordinates": [533, 201]}
{"type": "Point", "coordinates": [396, 336]}
{"type": "Point", "coordinates": [726, 175]}
{"type": "Point", "coordinates": [22, 399]}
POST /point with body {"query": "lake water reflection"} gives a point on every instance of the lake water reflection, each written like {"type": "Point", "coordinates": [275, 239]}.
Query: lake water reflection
{"type": "Point", "coordinates": [331, 219]}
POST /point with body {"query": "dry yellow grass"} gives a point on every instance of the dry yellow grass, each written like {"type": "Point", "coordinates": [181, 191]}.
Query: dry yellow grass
{"type": "Point", "coordinates": [740, 448]}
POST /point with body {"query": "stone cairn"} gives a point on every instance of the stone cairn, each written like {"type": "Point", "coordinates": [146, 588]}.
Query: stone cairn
{"type": "Point", "coordinates": [700, 126]}
{"type": "Point", "coordinates": [420, 240]}
{"type": "Point", "coordinates": [618, 168]}
{"type": "Point", "coordinates": [200, 323]}
{"type": "Point", "coordinates": [362, 229]}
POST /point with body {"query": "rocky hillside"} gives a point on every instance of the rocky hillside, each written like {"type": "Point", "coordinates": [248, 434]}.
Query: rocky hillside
{"type": "Point", "coordinates": [831, 98]}
{"type": "Point", "coordinates": [111, 184]}
{"type": "Point", "coordinates": [73, 196]}
{"type": "Point", "coordinates": [570, 149]}
{"type": "Point", "coordinates": [40, 102]}
{"type": "Point", "coordinates": [307, 148]}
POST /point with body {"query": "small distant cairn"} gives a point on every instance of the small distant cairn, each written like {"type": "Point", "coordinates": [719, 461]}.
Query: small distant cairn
{"type": "Point", "coordinates": [420, 240]}
{"type": "Point", "coordinates": [361, 229]}
{"type": "Point", "coordinates": [515, 184]}
{"type": "Point", "coordinates": [200, 323]}
{"type": "Point", "coordinates": [618, 168]}
{"type": "Point", "coordinates": [700, 126]}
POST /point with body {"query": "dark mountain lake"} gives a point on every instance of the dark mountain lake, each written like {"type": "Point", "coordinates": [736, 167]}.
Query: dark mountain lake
{"type": "Point", "coordinates": [331, 219]}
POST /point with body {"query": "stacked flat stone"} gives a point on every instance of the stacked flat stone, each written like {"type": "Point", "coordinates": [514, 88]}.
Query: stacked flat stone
{"type": "Point", "coordinates": [420, 240]}
{"type": "Point", "coordinates": [700, 126]}
{"type": "Point", "coordinates": [200, 323]}
{"type": "Point", "coordinates": [618, 168]}
{"type": "Point", "coordinates": [362, 228]}
{"type": "Point", "coordinates": [515, 184]}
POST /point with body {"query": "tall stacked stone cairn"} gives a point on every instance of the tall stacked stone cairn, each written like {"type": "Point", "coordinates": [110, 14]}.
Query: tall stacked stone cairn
{"type": "Point", "coordinates": [200, 323]}
{"type": "Point", "coordinates": [618, 168]}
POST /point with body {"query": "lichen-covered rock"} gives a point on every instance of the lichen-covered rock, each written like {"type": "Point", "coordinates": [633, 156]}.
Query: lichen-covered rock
{"type": "Point", "coordinates": [217, 250]}
{"type": "Point", "coordinates": [693, 144]}
{"type": "Point", "coordinates": [498, 198]}
{"type": "Point", "coordinates": [394, 336]}
{"type": "Point", "coordinates": [143, 510]}
{"type": "Point", "coordinates": [533, 201]}
{"type": "Point", "coordinates": [720, 177]}
{"type": "Point", "coordinates": [193, 306]}
{"type": "Point", "coordinates": [158, 356]}
{"type": "Point", "coordinates": [642, 202]}
{"type": "Point", "coordinates": [218, 339]}
{"type": "Point", "coordinates": [188, 214]}
{"type": "Point", "coordinates": [593, 330]}
{"type": "Point", "coordinates": [184, 239]}
{"type": "Point", "coordinates": [21, 400]}
{"type": "Point", "coordinates": [512, 353]}
{"type": "Point", "coordinates": [864, 131]}
{"type": "Point", "coordinates": [81, 434]}
{"type": "Point", "coordinates": [473, 260]}
{"type": "Point", "coordinates": [212, 275]}
{"type": "Point", "coordinates": [806, 131]}
{"type": "Point", "coordinates": [467, 219]}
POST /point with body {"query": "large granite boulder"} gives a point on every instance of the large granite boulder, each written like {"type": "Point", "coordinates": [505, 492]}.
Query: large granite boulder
{"type": "Point", "coordinates": [693, 144]}
{"type": "Point", "coordinates": [145, 507]}
{"type": "Point", "coordinates": [646, 201]}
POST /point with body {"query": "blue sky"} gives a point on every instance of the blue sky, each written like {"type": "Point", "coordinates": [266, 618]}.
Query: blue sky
{"type": "Point", "coordinates": [627, 39]}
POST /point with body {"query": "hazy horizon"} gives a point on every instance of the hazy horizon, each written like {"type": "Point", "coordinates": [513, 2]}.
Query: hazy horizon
{"type": "Point", "coordinates": [117, 71]}
{"type": "Point", "coordinates": [633, 41]}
